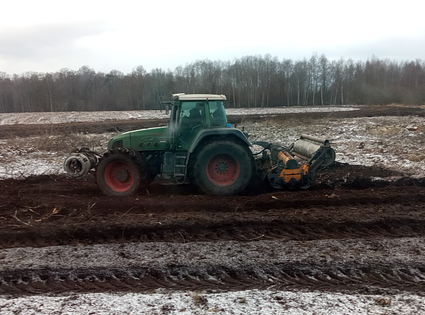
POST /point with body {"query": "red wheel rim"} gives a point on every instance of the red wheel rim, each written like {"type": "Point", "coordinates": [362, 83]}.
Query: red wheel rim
{"type": "Point", "coordinates": [119, 176]}
{"type": "Point", "coordinates": [223, 170]}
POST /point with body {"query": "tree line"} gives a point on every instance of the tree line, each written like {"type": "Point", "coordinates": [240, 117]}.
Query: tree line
{"type": "Point", "coordinates": [250, 81]}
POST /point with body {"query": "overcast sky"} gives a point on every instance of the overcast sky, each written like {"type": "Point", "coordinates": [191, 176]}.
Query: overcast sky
{"type": "Point", "coordinates": [46, 36]}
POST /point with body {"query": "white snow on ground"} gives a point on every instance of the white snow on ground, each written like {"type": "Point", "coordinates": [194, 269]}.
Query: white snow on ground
{"type": "Point", "coordinates": [69, 117]}
{"type": "Point", "coordinates": [197, 254]}
{"type": "Point", "coordinates": [24, 164]}
{"type": "Point", "coordinates": [23, 157]}
{"type": "Point", "coordinates": [370, 141]}
{"type": "Point", "coordinates": [248, 302]}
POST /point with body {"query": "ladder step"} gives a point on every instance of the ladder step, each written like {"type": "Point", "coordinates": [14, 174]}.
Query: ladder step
{"type": "Point", "coordinates": [180, 166]}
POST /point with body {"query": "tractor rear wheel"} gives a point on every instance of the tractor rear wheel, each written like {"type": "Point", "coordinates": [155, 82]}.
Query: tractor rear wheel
{"type": "Point", "coordinates": [120, 172]}
{"type": "Point", "coordinates": [222, 167]}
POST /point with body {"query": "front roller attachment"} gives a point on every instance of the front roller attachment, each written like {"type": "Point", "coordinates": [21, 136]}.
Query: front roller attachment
{"type": "Point", "coordinates": [287, 171]}
{"type": "Point", "coordinates": [79, 163]}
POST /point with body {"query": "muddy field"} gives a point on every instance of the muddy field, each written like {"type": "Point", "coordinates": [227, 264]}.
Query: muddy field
{"type": "Point", "coordinates": [359, 231]}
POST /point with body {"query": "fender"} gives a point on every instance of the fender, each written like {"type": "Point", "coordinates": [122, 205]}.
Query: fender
{"type": "Point", "coordinates": [223, 132]}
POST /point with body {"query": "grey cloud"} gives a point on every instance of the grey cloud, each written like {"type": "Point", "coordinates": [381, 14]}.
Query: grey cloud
{"type": "Point", "coordinates": [397, 48]}
{"type": "Point", "coordinates": [37, 41]}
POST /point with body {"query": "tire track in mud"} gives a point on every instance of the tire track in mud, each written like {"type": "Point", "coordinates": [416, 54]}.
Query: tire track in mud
{"type": "Point", "coordinates": [370, 278]}
{"type": "Point", "coordinates": [226, 231]}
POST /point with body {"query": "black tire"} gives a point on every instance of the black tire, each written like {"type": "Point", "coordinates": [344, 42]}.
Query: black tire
{"type": "Point", "coordinates": [222, 167]}
{"type": "Point", "coordinates": [120, 172]}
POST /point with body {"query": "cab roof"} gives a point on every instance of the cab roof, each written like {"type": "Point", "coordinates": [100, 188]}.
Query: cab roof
{"type": "Point", "coordinates": [199, 97]}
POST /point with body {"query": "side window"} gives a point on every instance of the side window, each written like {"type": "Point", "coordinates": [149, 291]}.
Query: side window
{"type": "Point", "coordinates": [192, 113]}
{"type": "Point", "coordinates": [218, 114]}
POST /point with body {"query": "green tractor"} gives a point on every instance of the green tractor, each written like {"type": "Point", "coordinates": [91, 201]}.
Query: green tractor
{"type": "Point", "coordinates": [198, 146]}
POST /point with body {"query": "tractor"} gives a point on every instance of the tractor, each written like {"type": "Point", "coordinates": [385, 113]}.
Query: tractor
{"type": "Point", "coordinates": [200, 147]}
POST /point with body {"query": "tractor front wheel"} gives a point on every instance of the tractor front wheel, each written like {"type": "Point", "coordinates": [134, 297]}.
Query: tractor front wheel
{"type": "Point", "coordinates": [222, 168]}
{"type": "Point", "coordinates": [119, 172]}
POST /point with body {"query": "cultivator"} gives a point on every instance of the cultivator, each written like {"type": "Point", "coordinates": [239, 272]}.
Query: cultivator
{"type": "Point", "coordinates": [295, 166]}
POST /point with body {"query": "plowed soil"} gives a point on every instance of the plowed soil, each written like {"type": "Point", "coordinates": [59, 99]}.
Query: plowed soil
{"type": "Point", "coordinates": [41, 211]}
{"type": "Point", "coordinates": [347, 203]}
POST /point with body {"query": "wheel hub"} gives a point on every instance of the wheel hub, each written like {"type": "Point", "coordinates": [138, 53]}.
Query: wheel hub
{"type": "Point", "coordinates": [119, 176]}
{"type": "Point", "coordinates": [221, 167]}
{"type": "Point", "coordinates": [222, 170]}
{"type": "Point", "coordinates": [122, 175]}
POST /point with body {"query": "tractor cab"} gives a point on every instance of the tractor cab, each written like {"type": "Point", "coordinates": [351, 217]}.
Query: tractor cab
{"type": "Point", "coordinates": [196, 147]}
{"type": "Point", "coordinates": [194, 113]}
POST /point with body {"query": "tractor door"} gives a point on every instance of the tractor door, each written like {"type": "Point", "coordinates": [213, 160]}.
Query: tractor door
{"type": "Point", "coordinates": [191, 119]}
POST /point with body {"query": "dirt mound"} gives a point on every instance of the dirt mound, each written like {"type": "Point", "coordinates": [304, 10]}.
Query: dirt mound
{"type": "Point", "coordinates": [356, 176]}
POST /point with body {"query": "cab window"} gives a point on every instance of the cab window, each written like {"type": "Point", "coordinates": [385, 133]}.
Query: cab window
{"type": "Point", "coordinates": [192, 113]}
{"type": "Point", "coordinates": [218, 114]}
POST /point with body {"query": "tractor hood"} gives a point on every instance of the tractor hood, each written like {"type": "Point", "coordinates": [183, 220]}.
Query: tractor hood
{"type": "Point", "coordinates": [151, 139]}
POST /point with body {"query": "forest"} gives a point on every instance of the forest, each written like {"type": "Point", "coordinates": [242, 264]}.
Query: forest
{"type": "Point", "coordinates": [250, 81]}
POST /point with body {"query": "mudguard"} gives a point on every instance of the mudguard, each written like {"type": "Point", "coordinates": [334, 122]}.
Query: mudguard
{"type": "Point", "coordinates": [223, 132]}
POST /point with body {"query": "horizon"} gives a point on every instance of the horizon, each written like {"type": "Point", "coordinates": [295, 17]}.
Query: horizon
{"type": "Point", "coordinates": [222, 61]}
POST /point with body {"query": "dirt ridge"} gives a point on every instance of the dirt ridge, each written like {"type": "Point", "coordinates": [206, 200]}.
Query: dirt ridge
{"type": "Point", "coordinates": [331, 277]}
